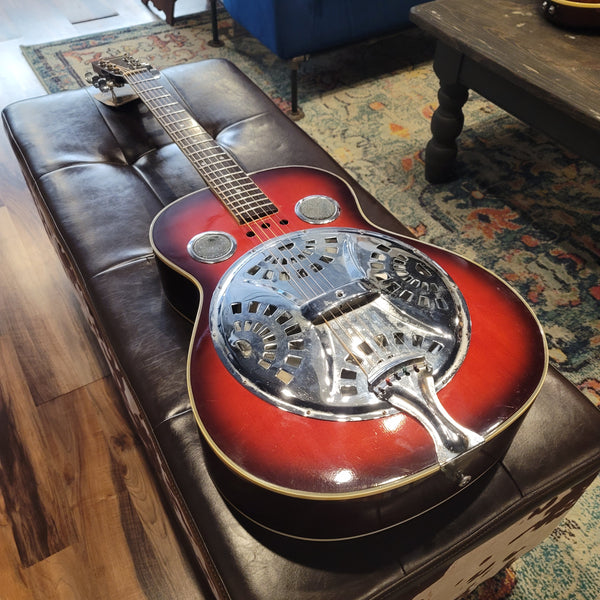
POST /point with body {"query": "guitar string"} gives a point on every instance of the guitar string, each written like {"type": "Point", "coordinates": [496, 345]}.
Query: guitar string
{"type": "Point", "coordinates": [260, 222]}
{"type": "Point", "coordinates": [232, 164]}
{"type": "Point", "coordinates": [260, 226]}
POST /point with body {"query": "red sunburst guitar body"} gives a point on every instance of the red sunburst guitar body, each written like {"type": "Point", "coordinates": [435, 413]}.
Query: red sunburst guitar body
{"type": "Point", "coordinates": [345, 379]}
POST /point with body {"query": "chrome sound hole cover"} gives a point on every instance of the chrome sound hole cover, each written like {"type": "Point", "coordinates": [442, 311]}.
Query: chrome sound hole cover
{"type": "Point", "coordinates": [315, 320]}
{"type": "Point", "coordinates": [317, 209]}
{"type": "Point", "coordinates": [212, 246]}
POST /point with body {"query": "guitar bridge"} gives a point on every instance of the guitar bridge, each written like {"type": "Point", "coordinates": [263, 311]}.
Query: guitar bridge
{"type": "Point", "coordinates": [339, 301]}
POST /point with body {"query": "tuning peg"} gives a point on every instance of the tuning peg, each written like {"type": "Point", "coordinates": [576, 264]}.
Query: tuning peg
{"type": "Point", "coordinates": [103, 85]}
{"type": "Point", "coordinates": [92, 79]}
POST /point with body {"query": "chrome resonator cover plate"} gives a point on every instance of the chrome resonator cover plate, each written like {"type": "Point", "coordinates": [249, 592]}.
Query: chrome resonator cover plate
{"type": "Point", "coordinates": [315, 320]}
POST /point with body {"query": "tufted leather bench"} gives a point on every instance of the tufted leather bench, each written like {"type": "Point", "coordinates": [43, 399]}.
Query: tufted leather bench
{"type": "Point", "coordinates": [98, 176]}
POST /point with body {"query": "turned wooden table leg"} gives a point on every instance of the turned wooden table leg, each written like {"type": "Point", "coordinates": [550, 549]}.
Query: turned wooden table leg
{"type": "Point", "coordinates": [446, 124]}
{"type": "Point", "coordinates": [448, 120]}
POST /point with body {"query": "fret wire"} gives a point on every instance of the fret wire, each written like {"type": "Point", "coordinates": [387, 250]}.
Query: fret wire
{"type": "Point", "coordinates": [185, 125]}
{"type": "Point", "coordinates": [238, 200]}
{"type": "Point", "coordinates": [237, 187]}
{"type": "Point", "coordinates": [246, 198]}
{"type": "Point", "coordinates": [175, 121]}
{"type": "Point", "coordinates": [223, 174]}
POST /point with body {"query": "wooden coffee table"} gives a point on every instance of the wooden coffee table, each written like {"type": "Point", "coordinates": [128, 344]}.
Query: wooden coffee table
{"type": "Point", "coordinates": [506, 51]}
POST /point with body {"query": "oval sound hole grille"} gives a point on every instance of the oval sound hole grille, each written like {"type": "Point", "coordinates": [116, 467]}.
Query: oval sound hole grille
{"type": "Point", "coordinates": [309, 320]}
{"type": "Point", "coordinates": [317, 209]}
{"type": "Point", "coordinates": [212, 246]}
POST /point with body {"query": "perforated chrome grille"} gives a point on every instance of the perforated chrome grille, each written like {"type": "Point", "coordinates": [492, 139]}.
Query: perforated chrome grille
{"type": "Point", "coordinates": [313, 321]}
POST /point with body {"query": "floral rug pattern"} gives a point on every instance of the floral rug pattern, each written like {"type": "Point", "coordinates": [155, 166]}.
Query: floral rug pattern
{"type": "Point", "coordinates": [520, 205]}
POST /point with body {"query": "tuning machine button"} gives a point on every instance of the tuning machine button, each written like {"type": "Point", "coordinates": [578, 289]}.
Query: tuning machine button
{"type": "Point", "coordinates": [92, 78]}
{"type": "Point", "coordinates": [101, 83]}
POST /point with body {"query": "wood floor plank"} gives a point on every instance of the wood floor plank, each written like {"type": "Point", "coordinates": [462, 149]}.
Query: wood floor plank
{"type": "Point", "coordinates": [17, 21]}
{"type": "Point", "coordinates": [79, 502]}
{"type": "Point", "coordinates": [161, 565]}
{"type": "Point", "coordinates": [33, 500]}
{"type": "Point", "coordinates": [61, 576]}
{"type": "Point", "coordinates": [81, 11]}
{"type": "Point", "coordinates": [12, 584]}
{"type": "Point", "coordinates": [115, 501]}
{"type": "Point", "coordinates": [78, 446]}
{"type": "Point", "coordinates": [42, 316]}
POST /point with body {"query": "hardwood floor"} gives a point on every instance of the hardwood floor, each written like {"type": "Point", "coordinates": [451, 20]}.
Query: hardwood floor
{"type": "Point", "coordinates": [80, 514]}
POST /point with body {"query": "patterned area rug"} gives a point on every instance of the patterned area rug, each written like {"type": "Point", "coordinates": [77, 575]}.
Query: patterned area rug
{"type": "Point", "coordinates": [521, 206]}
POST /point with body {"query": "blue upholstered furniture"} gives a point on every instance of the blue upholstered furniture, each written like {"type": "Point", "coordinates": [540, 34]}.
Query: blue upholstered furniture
{"type": "Point", "coordinates": [294, 29]}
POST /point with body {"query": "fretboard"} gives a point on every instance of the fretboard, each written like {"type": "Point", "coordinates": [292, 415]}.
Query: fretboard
{"type": "Point", "coordinates": [226, 179]}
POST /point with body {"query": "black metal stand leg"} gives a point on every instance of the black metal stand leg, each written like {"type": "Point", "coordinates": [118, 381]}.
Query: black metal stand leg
{"type": "Point", "coordinates": [215, 42]}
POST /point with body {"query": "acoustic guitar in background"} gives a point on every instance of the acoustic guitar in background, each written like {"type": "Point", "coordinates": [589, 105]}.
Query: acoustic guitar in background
{"type": "Point", "coordinates": [572, 13]}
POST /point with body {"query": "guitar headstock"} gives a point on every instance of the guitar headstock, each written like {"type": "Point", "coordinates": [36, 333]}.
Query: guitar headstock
{"type": "Point", "coordinates": [114, 72]}
{"type": "Point", "coordinates": [116, 69]}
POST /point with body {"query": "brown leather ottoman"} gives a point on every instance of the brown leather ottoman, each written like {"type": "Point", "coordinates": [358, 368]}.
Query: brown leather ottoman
{"type": "Point", "coordinates": [99, 175]}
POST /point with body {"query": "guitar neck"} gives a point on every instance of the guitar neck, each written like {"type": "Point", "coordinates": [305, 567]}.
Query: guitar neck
{"type": "Point", "coordinates": [226, 179]}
